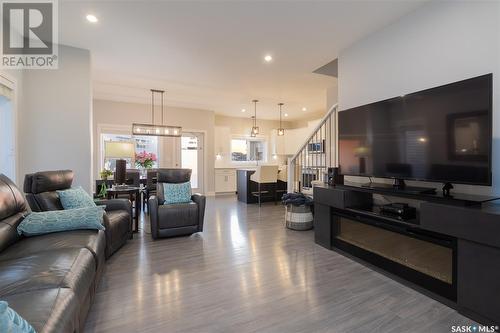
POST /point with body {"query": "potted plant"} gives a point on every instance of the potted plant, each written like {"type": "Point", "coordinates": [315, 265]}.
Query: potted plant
{"type": "Point", "coordinates": [105, 174]}
{"type": "Point", "coordinates": [103, 190]}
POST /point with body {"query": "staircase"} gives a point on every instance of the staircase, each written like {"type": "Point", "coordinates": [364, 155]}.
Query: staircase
{"type": "Point", "coordinates": [311, 162]}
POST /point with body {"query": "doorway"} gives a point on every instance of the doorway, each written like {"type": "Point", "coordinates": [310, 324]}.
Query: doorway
{"type": "Point", "coordinates": [192, 157]}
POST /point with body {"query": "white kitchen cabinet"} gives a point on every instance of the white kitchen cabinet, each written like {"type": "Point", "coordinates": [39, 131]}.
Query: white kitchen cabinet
{"type": "Point", "coordinates": [225, 180]}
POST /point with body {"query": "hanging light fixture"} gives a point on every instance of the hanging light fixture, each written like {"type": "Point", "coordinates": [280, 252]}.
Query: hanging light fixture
{"type": "Point", "coordinates": [154, 129]}
{"type": "Point", "coordinates": [281, 130]}
{"type": "Point", "coordinates": [252, 133]}
{"type": "Point", "coordinates": [255, 128]}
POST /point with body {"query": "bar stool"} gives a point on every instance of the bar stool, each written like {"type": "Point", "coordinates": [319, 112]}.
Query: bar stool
{"type": "Point", "coordinates": [265, 175]}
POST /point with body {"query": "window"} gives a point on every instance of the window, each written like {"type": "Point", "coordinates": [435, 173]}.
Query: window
{"type": "Point", "coordinates": [244, 150]}
{"type": "Point", "coordinates": [7, 133]}
{"type": "Point", "coordinates": [148, 144]}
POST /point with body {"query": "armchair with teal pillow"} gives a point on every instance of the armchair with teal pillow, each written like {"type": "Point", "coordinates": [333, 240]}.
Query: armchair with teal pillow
{"type": "Point", "coordinates": [175, 211]}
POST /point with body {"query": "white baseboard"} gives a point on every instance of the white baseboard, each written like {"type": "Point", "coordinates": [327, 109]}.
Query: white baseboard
{"type": "Point", "coordinates": [210, 194]}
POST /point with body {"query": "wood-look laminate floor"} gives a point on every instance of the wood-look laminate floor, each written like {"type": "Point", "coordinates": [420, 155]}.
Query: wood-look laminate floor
{"type": "Point", "coordinates": [248, 273]}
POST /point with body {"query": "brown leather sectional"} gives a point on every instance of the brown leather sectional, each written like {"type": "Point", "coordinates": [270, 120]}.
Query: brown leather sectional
{"type": "Point", "coordinates": [40, 189]}
{"type": "Point", "coordinates": [50, 280]}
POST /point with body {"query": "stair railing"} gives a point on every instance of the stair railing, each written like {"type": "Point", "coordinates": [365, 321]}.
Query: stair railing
{"type": "Point", "coordinates": [311, 162]}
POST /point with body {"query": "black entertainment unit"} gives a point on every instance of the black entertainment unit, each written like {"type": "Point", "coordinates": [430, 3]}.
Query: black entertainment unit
{"type": "Point", "coordinates": [449, 249]}
{"type": "Point", "coordinates": [444, 243]}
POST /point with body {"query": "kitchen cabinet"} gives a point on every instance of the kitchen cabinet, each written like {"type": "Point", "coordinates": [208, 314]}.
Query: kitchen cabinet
{"type": "Point", "coordinates": [225, 180]}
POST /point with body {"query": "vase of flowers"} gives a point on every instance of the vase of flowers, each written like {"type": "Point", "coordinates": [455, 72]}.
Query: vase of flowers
{"type": "Point", "coordinates": [144, 161]}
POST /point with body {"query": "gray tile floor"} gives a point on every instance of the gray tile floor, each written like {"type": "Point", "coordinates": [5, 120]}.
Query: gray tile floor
{"type": "Point", "coordinates": [247, 273]}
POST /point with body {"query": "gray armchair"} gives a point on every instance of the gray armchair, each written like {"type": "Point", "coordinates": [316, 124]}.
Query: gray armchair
{"type": "Point", "coordinates": [168, 220]}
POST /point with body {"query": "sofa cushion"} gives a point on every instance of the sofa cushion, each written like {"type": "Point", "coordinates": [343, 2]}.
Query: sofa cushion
{"type": "Point", "coordinates": [177, 215]}
{"type": "Point", "coordinates": [38, 223]}
{"type": "Point", "coordinates": [177, 193]}
{"type": "Point", "coordinates": [11, 321]}
{"type": "Point", "coordinates": [64, 268]}
{"type": "Point", "coordinates": [49, 181]}
{"type": "Point", "coordinates": [75, 198]}
{"type": "Point", "coordinates": [53, 310]}
{"type": "Point", "coordinates": [93, 240]}
{"type": "Point", "coordinates": [47, 201]}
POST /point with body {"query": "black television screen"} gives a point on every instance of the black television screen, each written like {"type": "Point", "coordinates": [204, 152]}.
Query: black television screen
{"type": "Point", "coordinates": [442, 134]}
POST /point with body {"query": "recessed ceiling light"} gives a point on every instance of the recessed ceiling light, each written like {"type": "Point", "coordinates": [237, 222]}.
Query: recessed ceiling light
{"type": "Point", "coordinates": [286, 114]}
{"type": "Point", "coordinates": [243, 110]}
{"type": "Point", "coordinates": [304, 109]}
{"type": "Point", "coordinates": [91, 18]}
{"type": "Point", "coordinates": [268, 58]}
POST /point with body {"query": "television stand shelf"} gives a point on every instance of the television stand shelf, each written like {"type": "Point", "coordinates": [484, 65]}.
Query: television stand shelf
{"type": "Point", "coordinates": [450, 251]}
{"type": "Point", "coordinates": [456, 199]}
{"type": "Point", "coordinates": [373, 212]}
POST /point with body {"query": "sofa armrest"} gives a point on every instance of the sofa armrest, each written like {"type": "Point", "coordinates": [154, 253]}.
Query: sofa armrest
{"type": "Point", "coordinates": [200, 200]}
{"type": "Point", "coordinates": [153, 215]}
{"type": "Point", "coordinates": [115, 204]}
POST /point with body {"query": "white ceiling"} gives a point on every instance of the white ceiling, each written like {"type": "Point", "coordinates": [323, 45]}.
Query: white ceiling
{"type": "Point", "coordinates": [209, 55]}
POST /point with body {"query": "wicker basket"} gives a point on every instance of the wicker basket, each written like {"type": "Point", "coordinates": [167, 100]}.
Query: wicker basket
{"type": "Point", "coordinates": [298, 217]}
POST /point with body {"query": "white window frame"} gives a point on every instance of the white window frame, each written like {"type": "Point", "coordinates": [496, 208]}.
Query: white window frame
{"type": "Point", "coordinates": [262, 138]}
{"type": "Point", "coordinates": [116, 129]}
{"type": "Point", "coordinates": [10, 82]}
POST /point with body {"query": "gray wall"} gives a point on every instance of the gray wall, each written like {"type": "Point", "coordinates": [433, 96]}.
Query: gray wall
{"type": "Point", "coordinates": [54, 120]}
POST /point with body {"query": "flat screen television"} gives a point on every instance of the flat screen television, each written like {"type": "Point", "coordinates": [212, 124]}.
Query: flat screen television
{"type": "Point", "coordinates": [443, 134]}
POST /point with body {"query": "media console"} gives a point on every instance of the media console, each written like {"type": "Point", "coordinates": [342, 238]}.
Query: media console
{"type": "Point", "coordinates": [449, 249]}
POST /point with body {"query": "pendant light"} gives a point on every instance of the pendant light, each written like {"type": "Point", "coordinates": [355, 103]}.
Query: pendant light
{"type": "Point", "coordinates": [153, 129]}
{"type": "Point", "coordinates": [255, 128]}
{"type": "Point", "coordinates": [281, 130]}
{"type": "Point", "coordinates": [252, 134]}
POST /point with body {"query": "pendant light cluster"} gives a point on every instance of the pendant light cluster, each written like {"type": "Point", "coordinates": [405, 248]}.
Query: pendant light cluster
{"type": "Point", "coordinates": [154, 129]}
{"type": "Point", "coordinates": [255, 128]}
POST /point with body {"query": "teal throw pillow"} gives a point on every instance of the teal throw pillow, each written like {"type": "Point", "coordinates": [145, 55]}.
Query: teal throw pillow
{"type": "Point", "coordinates": [39, 223]}
{"type": "Point", "coordinates": [12, 322]}
{"type": "Point", "coordinates": [75, 197]}
{"type": "Point", "coordinates": [177, 193]}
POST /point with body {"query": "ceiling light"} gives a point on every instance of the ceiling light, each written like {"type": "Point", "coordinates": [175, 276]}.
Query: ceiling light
{"type": "Point", "coordinates": [154, 129]}
{"type": "Point", "coordinates": [243, 110]}
{"type": "Point", "coordinates": [304, 109]}
{"type": "Point", "coordinates": [286, 114]}
{"type": "Point", "coordinates": [268, 58]}
{"type": "Point", "coordinates": [92, 18]}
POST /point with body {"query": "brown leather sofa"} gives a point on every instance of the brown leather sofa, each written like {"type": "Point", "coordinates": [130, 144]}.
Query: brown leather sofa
{"type": "Point", "coordinates": [40, 189]}
{"type": "Point", "coordinates": [50, 280]}
{"type": "Point", "coordinates": [175, 219]}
